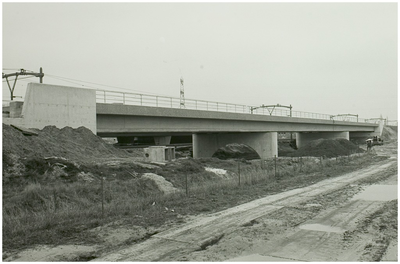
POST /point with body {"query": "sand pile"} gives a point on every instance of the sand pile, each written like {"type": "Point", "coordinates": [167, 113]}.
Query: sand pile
{"type": "Point", "coordinates": [327, 148]}
{"type": "Point", "coordinates": [73, 144]}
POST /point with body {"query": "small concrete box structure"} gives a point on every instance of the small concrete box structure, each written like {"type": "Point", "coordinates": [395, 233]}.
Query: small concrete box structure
{"type": "Point", "coordinates": [159, 153]}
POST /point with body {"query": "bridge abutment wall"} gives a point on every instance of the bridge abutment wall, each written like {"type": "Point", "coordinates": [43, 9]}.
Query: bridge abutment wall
{"type": "Point", "coordinates": [303, 139]}
{"type": "Point", "coordinates": [364, 135]}
{"type": "Point", "coordinates": [265, 144]}
{"type": "Point", "coordinates": [55, 105]}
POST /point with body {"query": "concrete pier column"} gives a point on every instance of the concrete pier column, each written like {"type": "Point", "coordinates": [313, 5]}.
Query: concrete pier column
{"type": "Point", "coordinates": [16, 109]}
{"type": "Point", "coordinates": [162, 141]}
{"type": "Point", "coordinates": [265, 144]}
{"type": "Point", "coordinates": [304, 138]}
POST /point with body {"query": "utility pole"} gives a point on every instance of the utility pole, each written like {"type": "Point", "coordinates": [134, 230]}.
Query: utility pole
{"type": "Point", "coordinates": [22, 72]}
{"type": "Point", "coordinates": [182, 94]}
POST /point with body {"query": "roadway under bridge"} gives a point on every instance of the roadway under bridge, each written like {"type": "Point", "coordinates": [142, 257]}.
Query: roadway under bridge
{"type": "Point", "coordinates": [69, 106]}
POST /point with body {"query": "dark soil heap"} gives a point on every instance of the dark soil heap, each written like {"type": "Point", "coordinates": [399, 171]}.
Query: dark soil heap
{"type": "Point", "coordinates": [234, 151]}
{"type": "Point", "coordinates": [327, 148]}
{"type": "Point", "coordinates": [78, 145]}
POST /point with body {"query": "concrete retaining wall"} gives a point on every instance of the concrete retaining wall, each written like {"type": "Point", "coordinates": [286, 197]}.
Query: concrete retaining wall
{"type": "Point", "coordinates": [56, 105]}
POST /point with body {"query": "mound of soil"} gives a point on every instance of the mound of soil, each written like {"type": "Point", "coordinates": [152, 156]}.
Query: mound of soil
{"type": "Point", "coordinates": [285, 149]}
{"type": "Point", "coordinates": [389, 133]}
{"type": "Point", "coordinates": [327, 148]}
{"type": "Point", "coordinates": [236, 151]}
{"type": "Point", "coordinates": [78, 145]}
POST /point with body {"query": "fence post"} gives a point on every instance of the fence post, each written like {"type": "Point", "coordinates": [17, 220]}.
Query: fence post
{"type": "Point", "coordinates": [301, 164]}
{"type": "Point", "coordinates": [55, 200]}
{"type": "Point", "coordinates": [275, 166]}
{"type": "Point", "coordinates": [239, 171]}
{"type": "Point", "coordinates": [186, 184]}
{"type": "Point", "coordinates": [102, 197]}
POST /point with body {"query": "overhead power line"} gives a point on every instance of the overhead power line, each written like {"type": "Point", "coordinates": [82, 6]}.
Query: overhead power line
{"type": "Point", "coordinates": [8, 69]}
{"type": "Point", "coordinates": [104, 85]}
{"type": "Point", "coordinates": [66, 80]}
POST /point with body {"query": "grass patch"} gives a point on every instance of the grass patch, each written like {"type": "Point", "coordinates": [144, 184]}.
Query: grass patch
{"type": "Point", "coordinates": [44, 212]}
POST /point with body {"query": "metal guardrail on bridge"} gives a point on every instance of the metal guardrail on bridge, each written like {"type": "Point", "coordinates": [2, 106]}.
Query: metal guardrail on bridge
{"type": "Point", "coordinates": [112, 97]}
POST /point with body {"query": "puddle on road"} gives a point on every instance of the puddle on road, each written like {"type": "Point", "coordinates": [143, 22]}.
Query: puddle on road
{"type": "Point", "coordinates": [323, 228]}
{"type": "Point", "coordinates": [378, 193]}
{"type": "Point", "coordinates": [259, 258]}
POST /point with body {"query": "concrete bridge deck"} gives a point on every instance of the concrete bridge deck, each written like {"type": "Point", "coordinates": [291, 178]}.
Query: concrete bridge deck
{"type": "Point", "coordinates": [69, 106]}
{"type": "Point", "coordinates": [129, 120]}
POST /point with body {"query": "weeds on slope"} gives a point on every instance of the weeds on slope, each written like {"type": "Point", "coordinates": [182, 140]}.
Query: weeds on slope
{"type": "Point", "coordinates": [45, 212]}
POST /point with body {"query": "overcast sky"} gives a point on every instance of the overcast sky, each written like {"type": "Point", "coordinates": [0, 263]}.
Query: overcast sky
{"type": "Point", "coordinates": [331, 58]}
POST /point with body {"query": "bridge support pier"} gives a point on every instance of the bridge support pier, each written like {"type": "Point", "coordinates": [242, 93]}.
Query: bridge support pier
{"type": "Point", "coordinates": [162, 141]}
{"type": "Point", "coordinates": [303, 138]}
{"type": "Point", "coordinates": [265, 144]}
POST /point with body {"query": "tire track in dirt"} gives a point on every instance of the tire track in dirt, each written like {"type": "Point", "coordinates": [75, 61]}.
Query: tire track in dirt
{"type": "Point", "coordinates": [322, 240]}
{"type": "Point", "coordinates": [358, 230]}
{"type": "Point", "coordinates": [205, 230]}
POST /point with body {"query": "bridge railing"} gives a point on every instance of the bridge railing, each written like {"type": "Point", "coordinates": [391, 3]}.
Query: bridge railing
{"type": "Point", "coordinates": [112, 97]}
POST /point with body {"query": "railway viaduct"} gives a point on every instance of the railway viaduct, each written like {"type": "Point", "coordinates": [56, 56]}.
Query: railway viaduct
{"type": "Point", "coordinates": [69, 106]}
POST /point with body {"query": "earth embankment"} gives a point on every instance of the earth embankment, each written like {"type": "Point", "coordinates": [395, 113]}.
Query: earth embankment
{"type": "Point", "coordinates": [55, 185]}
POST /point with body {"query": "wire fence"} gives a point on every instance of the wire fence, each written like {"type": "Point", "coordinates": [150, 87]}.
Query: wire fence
{"type": "Point", "coordinates": [112, 97]}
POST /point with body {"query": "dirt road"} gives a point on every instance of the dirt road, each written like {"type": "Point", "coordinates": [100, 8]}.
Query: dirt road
{"type": "Point", "coordinates": [348, 218]}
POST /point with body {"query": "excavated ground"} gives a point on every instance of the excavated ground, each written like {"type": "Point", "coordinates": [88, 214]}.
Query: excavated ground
{"type": "Point", "coordinates": [63, 157]}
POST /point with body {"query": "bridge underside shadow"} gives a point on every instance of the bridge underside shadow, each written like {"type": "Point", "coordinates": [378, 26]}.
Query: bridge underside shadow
{"type": "Point", "coordinates": [303, 139]}
{"type": "Point", "coordinates": [265, 144]}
